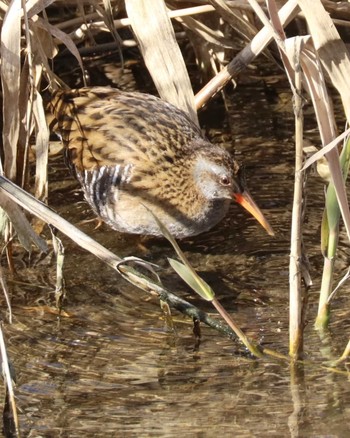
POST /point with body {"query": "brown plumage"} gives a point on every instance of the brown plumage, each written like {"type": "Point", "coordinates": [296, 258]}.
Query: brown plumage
{"type": "Point", "coordinates": [130, 151]}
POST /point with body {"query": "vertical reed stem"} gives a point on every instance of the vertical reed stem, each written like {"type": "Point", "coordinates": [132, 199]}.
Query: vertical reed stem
{"type": "Point", "coordinates": [295, 298]}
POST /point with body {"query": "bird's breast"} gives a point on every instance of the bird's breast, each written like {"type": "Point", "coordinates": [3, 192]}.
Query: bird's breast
{"type": "Point", "coordinates": [125, 207]}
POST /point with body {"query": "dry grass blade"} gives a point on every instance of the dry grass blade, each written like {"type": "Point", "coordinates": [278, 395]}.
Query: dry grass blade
{"type": "Point", "coordinates": [330, 47]}
{"type": "Point", "coordinates": [6, 294]}
{"type": "Point", "coordinates": [10, 80]}
{"type": "Point", "coordinates": [43, 212]}
{"type": "Point", "coordinates": [26, 234]}
{"type": "Point", "coordinates": [66, 40]}
{"type": "Point", "coordinates": [123, 22]}
{"type": "Point", "coordinates": [339, 285]}
{"type": "Point", "coordinates": [107, 15]}
{"type": "Point", "coordinates": [34, 7]}
{"type": "Point", "coordinates": [235, 19]}
{"type": "Point", "coordinates": [43, 44]}
{"type": "Point", "coordinates": [209, 35]}
{"type": "Point", "coordinates": [245, 57]}
{"type": "Point", "coordinates": [11, 426]}
{"type": "Point", "coordinates": [317, 155]}
{"type": "Point", "coordinates": [335, 59]}
{"type": "Point", "coordinates": [41, 149]}
{"type": "Point", "coordinates": [345, 354]}
{"type": "Point", "coordinates": [161, 53]}
{"type": "Point", "coordinates": [44, 49]}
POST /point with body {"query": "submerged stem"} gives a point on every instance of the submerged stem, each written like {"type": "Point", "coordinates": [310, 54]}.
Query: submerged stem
{"type": "Point", "coordinates": [251, 347]}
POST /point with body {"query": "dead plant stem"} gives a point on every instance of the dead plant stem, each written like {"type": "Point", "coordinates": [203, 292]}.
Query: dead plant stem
{"type": "Point", "coordinates": [8, 379]}
{"type": "Point", "coordinates": [295, 286]}
{"type": "Point", "coordinates": [251, 347]}
{"type": "Point", "coordinates": [245, 57]}
{"type": "Point", "coordinates": [43, 212]}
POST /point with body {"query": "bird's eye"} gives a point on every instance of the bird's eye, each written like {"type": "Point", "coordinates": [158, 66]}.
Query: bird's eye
{"type": "Point", "coordinates": [225, 180]}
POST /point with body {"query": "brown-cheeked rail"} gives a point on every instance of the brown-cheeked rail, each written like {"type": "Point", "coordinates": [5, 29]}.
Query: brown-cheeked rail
{"type": "Point", "coordinates": [134, 153]}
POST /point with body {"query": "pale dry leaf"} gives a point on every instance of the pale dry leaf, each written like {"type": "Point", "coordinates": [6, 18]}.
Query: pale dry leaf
{"type": "Point", "coordinates": [42, 50]}
{"type": "Point", "coordinates": [246, 56]}
{"type": "Point", "coordinates": [25, 232]}
{"type": "Point", "coordinates": [107, 14]}
{"type": "Point", "coordinates": [319, 154]}
{"type": "Point", "coordinates": [44, 38]}
{"type": "Point", "coordinates": [331, 49]}
{"type": "Point", "coordinates": [209, 35]}
{"type": "Point", "coordinates": [34, 7]}
{"type": "Point", "coordinates": [42, 148]}
{"type": "Point", "coordinates": [235, 19]}
{"type": "Point", "coordinates": [66, 40]}
{"type": "Point", "coordinates": [162, 55]}
{"type": "Point", "coordinates": [9, 190]}
{"type": "Point", "coordinates": [10, 81]}
{"type": "Point", "coordinates": [333, 56]}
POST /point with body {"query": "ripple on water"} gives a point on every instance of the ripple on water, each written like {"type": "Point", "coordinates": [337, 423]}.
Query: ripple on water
{"type": "Point", "coordinates": [111, 367]}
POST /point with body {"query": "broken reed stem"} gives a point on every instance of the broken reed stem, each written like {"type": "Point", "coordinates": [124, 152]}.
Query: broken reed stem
{"type": "Point", "coordinates": [295, 293]}
{"type": "Point", "coordinates": [43, 212]}
{"type": "Point", "coordinates": [245, 56]}
{"type": "Point", "coordinates": [124, 22]}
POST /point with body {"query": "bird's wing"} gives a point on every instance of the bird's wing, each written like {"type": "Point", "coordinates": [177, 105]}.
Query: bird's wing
{"type": "Point", "coordinates": [122, 134]}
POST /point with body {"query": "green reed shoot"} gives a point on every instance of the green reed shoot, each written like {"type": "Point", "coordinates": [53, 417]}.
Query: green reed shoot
{"type": "Point", "coordinates": [329, 241]}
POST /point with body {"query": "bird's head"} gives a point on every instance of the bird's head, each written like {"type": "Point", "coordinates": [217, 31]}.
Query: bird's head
{"type": "Point", "coordinates": [219, 176]}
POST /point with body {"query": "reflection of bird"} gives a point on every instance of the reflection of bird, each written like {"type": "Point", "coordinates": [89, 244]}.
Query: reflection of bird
{"type": "Point", "coordinates": [130, 151]}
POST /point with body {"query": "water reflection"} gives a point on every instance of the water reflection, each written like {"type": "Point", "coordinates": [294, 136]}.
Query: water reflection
{"type": "Point", "coordinates": [110, 367]}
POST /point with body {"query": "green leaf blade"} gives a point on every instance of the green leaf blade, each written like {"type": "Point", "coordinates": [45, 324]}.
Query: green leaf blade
{"type": "Point", "coordinates": [196, 283]}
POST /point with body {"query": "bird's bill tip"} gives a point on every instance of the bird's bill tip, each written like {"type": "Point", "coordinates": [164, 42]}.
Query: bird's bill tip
{"type": "Point", "coordinates": [246, 201]}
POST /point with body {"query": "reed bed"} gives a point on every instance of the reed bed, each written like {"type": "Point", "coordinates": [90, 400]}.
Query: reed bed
{"type": "Point", "coordinates": [35, 34]}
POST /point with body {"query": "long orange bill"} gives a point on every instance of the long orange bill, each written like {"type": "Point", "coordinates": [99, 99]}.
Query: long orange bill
{"type": "Point", "coordinates": [246, 201]}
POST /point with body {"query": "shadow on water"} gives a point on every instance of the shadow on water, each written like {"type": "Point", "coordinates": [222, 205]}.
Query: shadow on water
{"type": "Point", "coordinates": [110, 367]}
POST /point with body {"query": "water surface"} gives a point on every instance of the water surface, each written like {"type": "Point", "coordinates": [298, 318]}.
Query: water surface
{"type": "Point", "coordinates": [110, 367]}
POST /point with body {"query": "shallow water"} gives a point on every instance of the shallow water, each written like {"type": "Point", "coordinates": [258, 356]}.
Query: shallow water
{"type": "Point", "coordinates": [110, 366]}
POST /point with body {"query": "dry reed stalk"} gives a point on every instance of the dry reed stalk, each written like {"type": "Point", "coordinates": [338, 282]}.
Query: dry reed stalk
{"type": "Point", "coordinates": [10, 81]}
{"type": "Point", "coordinates": [290, 52]}
{"type": "Point", "coordinates": [235, 19]}
{"type": "Point", "coordinates": [335, 60]}
{"type": "Point", "coordinates": [161, 53]}
{"type": "Point", "coordinates": [245, 57]}
{"type": "Point", "coordinates": [295, 285]}
{"type": "Point", "coordinates": [10, 191]}
{"type": "Point", "coordinates": [334, 57]}
{"type": "Point", "coordinates": [93, 19]}
{"type": "Point", "coordinates": [5, 291]}
{"type": "Point", "coordinates": [12, 416]}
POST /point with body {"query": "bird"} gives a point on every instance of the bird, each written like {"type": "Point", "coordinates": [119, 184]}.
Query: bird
{"type": "Point", "coordinates": [136, 156]}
